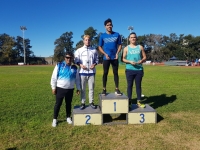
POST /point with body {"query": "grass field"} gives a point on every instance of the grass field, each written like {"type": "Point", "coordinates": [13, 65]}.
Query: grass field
{"type": "Point", "coordinates": [26, 110]}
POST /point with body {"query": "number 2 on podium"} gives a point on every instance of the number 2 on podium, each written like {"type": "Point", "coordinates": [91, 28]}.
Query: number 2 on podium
{"type": "Point", "coordinates": [88, 118]}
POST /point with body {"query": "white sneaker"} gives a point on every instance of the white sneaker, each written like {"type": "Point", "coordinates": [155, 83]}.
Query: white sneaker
{"type": "Point", "coordinates": [69, 120]}
{"type": "Point", "coordinates": [54, 123]}
{"type": "Point", "coordinates": [142, 95]}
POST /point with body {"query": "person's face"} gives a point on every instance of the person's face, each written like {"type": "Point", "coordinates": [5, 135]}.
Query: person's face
{"type": "Point", "coordinates": [68, 59]}
{"type": "Point", "coordinates": [109, 27]}
{"type": "Point", "coordinates": [132, 38]}
{"type": "Point", "coordinates": [86, 41]}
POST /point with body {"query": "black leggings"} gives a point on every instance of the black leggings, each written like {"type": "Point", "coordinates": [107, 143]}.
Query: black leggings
{"type": "Point", "coordinates": [60, 94]}
{"type": "Point", "coordinates": [106, 65]}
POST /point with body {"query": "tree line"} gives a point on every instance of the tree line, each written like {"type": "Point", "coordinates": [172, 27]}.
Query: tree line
{"type": "Point", "coordinates": [157, 47]}
{"type": "Point", "coordinates": [12, 51]}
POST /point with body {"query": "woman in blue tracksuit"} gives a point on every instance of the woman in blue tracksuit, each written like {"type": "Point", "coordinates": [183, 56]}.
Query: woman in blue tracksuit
{"type": "Point", "coordinates": [64, 77]}
{"type": "Point", "coordinates": [134, 56]}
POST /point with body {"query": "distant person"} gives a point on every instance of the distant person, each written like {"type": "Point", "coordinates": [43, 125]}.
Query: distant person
{"type": "Point", "coordinates": [199, 61]}
{"type": "Point", "coordinates": [110, 46]}
{"type": "Point", "coordinates": [87, 58]}
{"type": "Point", "coordinates": [196, 62]}
{"type": "Point", "coordinates": [134, 56]}
{"type": "Point", "coordinates": [63, 79]}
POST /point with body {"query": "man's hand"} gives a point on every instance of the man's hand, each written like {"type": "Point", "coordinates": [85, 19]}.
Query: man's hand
{"type": "Point", "coordinates": [116, 57]}
{"type": "Point", "coordinates": [54, 91]}
{"type": "Point", "coordinates": [77, 92]}
{"type": "Point", "coordinates": [82, 66]}
{"type": "Point", "coordinates": [107, 57]}
{"type": "Point", "coordinates": [92, 66]}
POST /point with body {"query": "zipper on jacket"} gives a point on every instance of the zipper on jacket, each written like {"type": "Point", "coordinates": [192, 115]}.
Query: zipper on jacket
{"type": "Point", "coordinates": [88, 59]}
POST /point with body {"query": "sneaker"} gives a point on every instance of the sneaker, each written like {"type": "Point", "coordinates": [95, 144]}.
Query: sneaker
{"type": "Point", "coordinates": [82, 106]}
{"type": "Point", "coordinates": [104, 92]}
{"type": "Point", "coordinates": [117, 92]}
{"type": "Point", "coordinates": [54, 123]}
{"type": "Point", "coordinates": [69, 120]}
{"type": "Point", "coordinates": [140, 105]}
{"type": "Point", "coordinates": [142, 95]}
{"type": "Point", "coordinates": [92, 105]}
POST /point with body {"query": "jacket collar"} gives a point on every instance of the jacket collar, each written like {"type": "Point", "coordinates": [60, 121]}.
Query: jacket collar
{"type": "Point", "coordinates": [86, 46]}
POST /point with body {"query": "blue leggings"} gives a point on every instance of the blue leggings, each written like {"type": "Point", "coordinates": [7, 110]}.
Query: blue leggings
{"type": "Point", "coordinates": [132, 75]}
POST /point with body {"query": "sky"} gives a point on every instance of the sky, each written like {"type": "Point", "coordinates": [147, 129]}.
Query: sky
{"type": "Point", "coordinates": [47, 20]}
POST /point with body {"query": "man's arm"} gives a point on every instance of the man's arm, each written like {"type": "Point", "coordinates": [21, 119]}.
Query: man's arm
{"type": "Point", "coordinates": [96, 60]}
{"type": "Point", "coordinates": [118, 50]}
{"type": "Point", "coordinates": [101, 43]}
{"type": "Point", "coordinates": [78, 86]}
{"type": "Point", "coordinates": [77, 57]}
{"type": "Point", "coordinates": [102, 51]}
{"type": "Point", "coordinates": [119, 46]}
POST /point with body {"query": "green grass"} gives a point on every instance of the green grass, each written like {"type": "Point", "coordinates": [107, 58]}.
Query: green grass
{"type": "Point", "coordinates": [26, 110]}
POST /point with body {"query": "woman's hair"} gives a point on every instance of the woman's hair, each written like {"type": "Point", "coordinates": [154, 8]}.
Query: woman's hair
{"type": "Point", "coordinates": [69, 53]}
{"type": "Point", "coordinates": [131, 34]}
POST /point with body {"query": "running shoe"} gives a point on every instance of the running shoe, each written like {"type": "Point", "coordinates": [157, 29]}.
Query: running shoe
{"type": "Point", "coordinates": [140, 104]}
{"type": "Point", "coordinates": [82, 106]}
{"type": "Point", "coordinates": [104, 92]}
{"type": "Point", "coordinates": [117, 92]}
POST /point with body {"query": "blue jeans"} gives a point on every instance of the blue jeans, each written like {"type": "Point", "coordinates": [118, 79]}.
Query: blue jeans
{"type": "Point", "coordinates": [132, 75]}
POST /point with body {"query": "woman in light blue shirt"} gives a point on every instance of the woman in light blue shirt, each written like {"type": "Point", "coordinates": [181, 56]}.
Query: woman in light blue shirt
{"type": "Point", "coordinates": [134, 56]}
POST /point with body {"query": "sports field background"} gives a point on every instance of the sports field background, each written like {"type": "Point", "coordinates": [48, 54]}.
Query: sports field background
{"type": "Point", "coordinates": [26, 112]}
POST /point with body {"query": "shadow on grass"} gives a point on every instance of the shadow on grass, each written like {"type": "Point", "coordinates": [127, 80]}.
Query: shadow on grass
{"type": "Point", "coordinates": [157, 101]}
{"type": "Point", "coordinates": [159, 118]}
{"type": "Point", "coordinates": [13, 148]}
{"type": "Point", "coordinates": [114, 119]}
{"type": "Point", "coordinates": [61, 121]}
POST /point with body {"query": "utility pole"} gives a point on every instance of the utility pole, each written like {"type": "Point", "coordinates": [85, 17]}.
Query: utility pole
{"type": "Point", "coordinates": [23, 28]}
{"type": "Point", "coordinates": [130, 28]}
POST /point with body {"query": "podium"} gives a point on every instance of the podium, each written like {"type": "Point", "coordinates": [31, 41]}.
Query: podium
{"type": "Point", "coordinates": [138, 115]}
{"type": "Point", "coordinates": [86, 116]}
{"type": "Point", "coordinates": [113, 105]}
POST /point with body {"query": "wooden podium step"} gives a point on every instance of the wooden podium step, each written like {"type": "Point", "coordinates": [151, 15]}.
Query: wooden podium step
{"type": "Point", "coordinates": [138, 115]}
{"type": "Point", "coordinates": [86, 116]}
{"type": "Point", "coordinates": [112, 103]}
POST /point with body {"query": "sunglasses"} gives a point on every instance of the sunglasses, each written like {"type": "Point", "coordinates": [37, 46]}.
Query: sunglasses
{"type": "Point", "coordinates": [68, 57]}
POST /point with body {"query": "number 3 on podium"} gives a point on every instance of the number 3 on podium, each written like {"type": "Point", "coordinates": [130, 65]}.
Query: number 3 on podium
{"type": "Point", "coordinates": [142, 118]}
